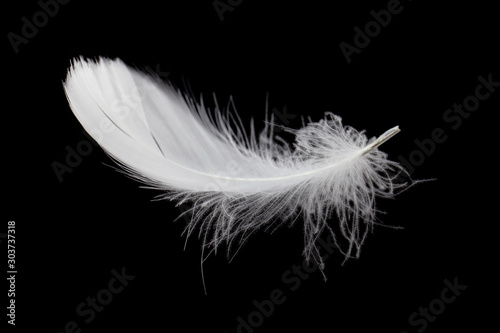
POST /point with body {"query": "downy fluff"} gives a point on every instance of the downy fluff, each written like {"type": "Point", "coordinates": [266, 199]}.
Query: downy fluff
{"type": "Point", "coordinates": [237, 183]}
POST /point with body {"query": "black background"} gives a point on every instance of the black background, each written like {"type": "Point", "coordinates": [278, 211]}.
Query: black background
{"type": "Point", "coordinates": [71, 234]}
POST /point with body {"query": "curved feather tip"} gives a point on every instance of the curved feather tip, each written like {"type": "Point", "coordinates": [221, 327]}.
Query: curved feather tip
{"type": "Point", "coordinates": [237, 183]}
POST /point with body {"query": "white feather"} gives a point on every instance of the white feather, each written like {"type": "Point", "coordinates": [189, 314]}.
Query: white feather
{"type": "Point", "coordinates": [237, 183]}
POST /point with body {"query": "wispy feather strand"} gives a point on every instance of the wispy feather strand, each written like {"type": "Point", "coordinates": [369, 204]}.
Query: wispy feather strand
{"type": "Point", "coordinates": [237, 183]}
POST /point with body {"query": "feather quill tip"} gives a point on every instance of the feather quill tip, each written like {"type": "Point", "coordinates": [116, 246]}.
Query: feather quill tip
{"type": "Point", "coordinates": [381, 139]}
{"type": "Point", "coordinates": [237, 183]}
